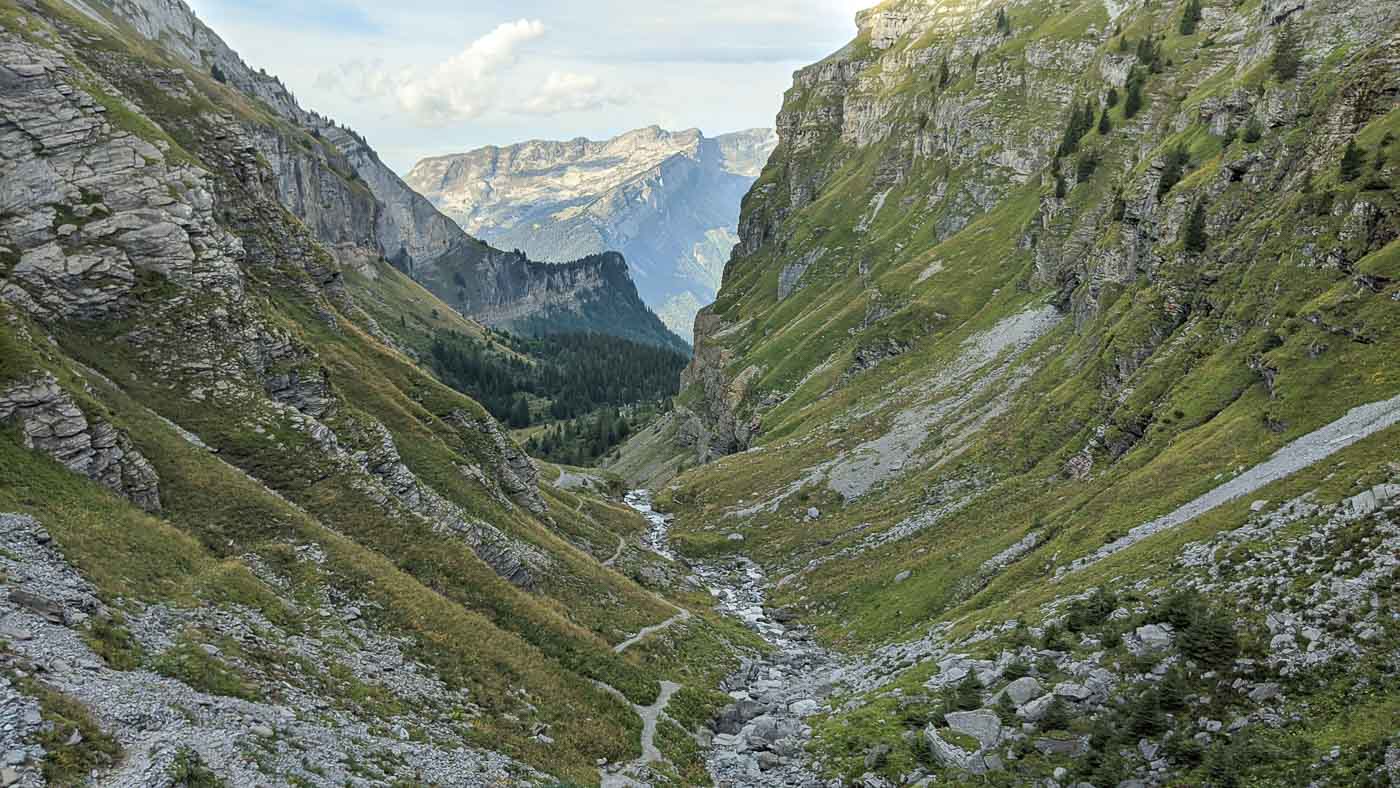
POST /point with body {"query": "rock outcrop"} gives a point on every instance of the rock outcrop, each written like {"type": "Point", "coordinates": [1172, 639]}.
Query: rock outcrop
{"type": "Point", "coordinates": [51, 422]}
{"type": "Point", "coordinates": [333, 181]}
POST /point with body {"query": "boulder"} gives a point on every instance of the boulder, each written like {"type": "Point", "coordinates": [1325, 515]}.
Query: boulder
{"type": "Point", "coordinates": [1153, 639]}
{"type": "Point", "coordinates": [1075, 692]}
{"type": "Point", "coordinates": [1262, 693]}
{"type": "Point", "coordinates": [983, 725]}
{"type": "Point", "coordinates": [1069, 748]}
{"type": "Point", "coordinates": [1035, 710]}
{"type": "Point", "coordinates": [1024, 690]}
{"type": "Point", "coordinates": [953, 756]}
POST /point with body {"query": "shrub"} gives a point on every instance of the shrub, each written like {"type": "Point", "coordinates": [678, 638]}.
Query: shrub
{"type": "Point", "coordinates": [1173, 168]}
{"type": "Point", "coordinates": [1056, 717]}
{"type": "Point", "coordinates": [1090, 613]}
{"type": "Point", "coordinates": [1195, 234]}
{"type": "Point", "coordinates": [1253, 131]}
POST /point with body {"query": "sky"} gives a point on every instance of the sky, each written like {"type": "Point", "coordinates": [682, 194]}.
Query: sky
{"type": "Point", "coordinates": [430, 77]}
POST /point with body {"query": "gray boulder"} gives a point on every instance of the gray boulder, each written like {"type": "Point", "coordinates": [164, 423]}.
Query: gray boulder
{"type": "Point", "coordinates": [983, 725]}
{"type": "Point", "coordinates": [1024, 690]}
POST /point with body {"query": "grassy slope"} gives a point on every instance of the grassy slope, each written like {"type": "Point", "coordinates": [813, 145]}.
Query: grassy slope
{"type": "Point", "coordinates": [506, 646]}
{"type": "Point", "coordinates": [1194, 390]}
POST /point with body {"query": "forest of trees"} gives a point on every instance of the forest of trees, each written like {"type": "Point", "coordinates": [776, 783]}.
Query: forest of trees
{"type": "Point", "coordinates": [584, 440]}
{"type": "Point", "coordinates": [585, 382]}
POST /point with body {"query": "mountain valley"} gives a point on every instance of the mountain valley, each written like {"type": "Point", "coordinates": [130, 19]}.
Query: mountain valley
{"type": "Point", "coordinates": [1044, 429]}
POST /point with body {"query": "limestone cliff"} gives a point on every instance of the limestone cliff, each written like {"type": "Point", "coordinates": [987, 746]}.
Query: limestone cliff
{"type": "Point", "coordinates": [235, 516]}
{"type": "Point", "coordinates": [331, 179]}
{"type": "Point", "coordinates": [668, 201]}
{"type": "Point", "coordinates": [1053, 369]}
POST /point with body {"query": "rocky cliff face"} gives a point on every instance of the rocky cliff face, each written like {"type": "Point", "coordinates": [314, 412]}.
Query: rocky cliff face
{"type": "Point", "coordinates": [1039, 314]}
{"type": "Point", "coordinates": [668, 201]}
{"type": "Point", "coordinates": [331, 179]}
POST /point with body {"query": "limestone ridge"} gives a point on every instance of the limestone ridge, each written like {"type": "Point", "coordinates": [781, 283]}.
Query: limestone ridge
{"type": "Point", "coordinates": [362, 210]}
{"type": "Point", "coordinates": [976, 127]}
{"type": "Point", "coordinates": [668, 201]}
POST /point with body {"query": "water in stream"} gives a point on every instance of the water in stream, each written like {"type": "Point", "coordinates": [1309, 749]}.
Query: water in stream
{"type": "Point", "coordinates": [760, 739]}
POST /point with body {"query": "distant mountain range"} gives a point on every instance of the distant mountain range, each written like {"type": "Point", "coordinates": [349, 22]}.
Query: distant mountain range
{"type": "Point", "coordinates": [667, 201]}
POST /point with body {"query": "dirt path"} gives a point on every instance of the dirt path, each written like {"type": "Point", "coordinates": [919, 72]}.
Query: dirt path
{"type": "Point", "coordinates": [1360, 422]}
{"type": "Point", "coordinates": [625, 776]}
{"type": "Point", "coordinates": [621, 545]}
{"type": "Point", "coordinates": [682, 615]}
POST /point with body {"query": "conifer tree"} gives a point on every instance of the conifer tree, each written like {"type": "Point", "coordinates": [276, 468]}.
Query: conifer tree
{"type": "Point", "coordinates": [1190, 17]}
{"type": "Point", "coordinates": [1253, 131]}
{"type": "Point", "coordinates": [945, 75]}
{"type": "Point", "coordinates": [1133, 103]}
{"type": "Point", "coordinates": [1105, 122]}
{"type": "Point", "coordinates": [1287, 57]}
{"type": "Point", "coordinates": [1352, 159]}
{"type": "Point", "coordinates": [1003, 22]}
{"type": "Point", "coordinates": [1196, 240]}
{"type": "Point", "coordinates": [1111, 98]}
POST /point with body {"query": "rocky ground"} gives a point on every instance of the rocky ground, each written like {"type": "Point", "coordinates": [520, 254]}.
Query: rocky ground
{"type": "Point", "coordinates": [760, 738]}
{"type": "Point", "coordinates": [48, 615]}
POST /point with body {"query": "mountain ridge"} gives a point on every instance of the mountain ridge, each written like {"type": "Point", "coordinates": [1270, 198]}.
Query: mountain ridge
{"type": "Point", "coordinates": [1025, 383]}
{"type": "Point", "coordinates": [667, 200]}
{"type": "Point", "coordinates": [403, 228]}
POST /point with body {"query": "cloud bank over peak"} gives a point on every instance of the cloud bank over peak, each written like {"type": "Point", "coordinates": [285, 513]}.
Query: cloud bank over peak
{"type": "Point", "coordinates": [472, 82]}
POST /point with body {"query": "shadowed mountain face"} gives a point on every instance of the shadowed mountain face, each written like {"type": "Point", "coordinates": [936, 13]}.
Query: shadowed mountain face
{"type": "Point", "coordinates": [668, 201]}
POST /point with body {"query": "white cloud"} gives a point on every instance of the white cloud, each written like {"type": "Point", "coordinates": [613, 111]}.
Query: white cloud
{"type": "Point", "coordinates": [565, 91]}
{"type": "Point", "coordinates": [462, 87]}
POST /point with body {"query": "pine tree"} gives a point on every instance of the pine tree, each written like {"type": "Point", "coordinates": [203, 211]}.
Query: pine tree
{"type": "Point", "coordinates": [1195, 234]}
{"type": "Point", "coordinates": [1286, 53]}
{"type": "Point", "coordinates": [520, 413]}
{"type": "Point", "coordinates": [1003, 22]}
{"type": "Point", "coordinates": [1173, 168]}
{"type": "Point", "coordinates": [1087, 165]}
{"type": "Point", "coordinates": [968, 695]}
{"type": "Point", "coordinates": [1352, 160]}
{"type": "Point", "coordinates": [1111, 98]}
{"type": "Point", "coordinates": [1253, 131]}
{"type": "Point", "coordinates": [1056, 716]}
{"type": "Point", "coordinates": [945, 75]}
{"type": "Point", "coordinates": [1190, 17]}
{"type": "Point", "coordinates": [1105, 122]}
{"type": "Point", "coordinates": [1006, 710]}
{"type": "Point", "coordinates": [1133, 103]}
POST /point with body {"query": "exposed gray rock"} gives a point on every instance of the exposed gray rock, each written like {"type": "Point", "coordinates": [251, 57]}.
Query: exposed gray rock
{"type": "Point", "coordinates": [51, 422]}
{"type": "Point", "coordinates": [1024, 690]}
{"type": "Point", "coordinates": [983, 725]}
{"type": "Point", "coordinates": [514, 469]}
{"type": "Point", "coordinates": [668, 201]}
{"type": "Point", "coordinates": [955, 757]}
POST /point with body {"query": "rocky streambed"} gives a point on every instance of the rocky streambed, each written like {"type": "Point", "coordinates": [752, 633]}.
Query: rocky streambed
{"type": "Point", "coordinates": [760, 738]}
